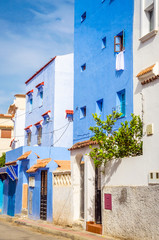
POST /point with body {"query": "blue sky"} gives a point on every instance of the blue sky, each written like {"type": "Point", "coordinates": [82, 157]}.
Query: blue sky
{"type": "Point", "coordinates": [32, 32]}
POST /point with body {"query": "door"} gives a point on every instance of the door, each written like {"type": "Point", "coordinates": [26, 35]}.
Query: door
{"type": "Point", "coordinates": [1, 196]}
{"type": "Point", "coordinates": [98, 214]}
{"type": "Point", "coordinates": [11, 197]}
{"type": "Point", "coordinates": [82, 190]}
{"type": "Point", "coordinates": [43, 201]}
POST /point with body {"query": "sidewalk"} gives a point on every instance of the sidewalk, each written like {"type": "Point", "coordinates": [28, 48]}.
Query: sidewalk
{"type": "Point", "coordinates": [55, 230]}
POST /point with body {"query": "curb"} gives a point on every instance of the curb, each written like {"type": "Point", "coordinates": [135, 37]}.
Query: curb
{"type": "Point", "coordinates": [54, 230]}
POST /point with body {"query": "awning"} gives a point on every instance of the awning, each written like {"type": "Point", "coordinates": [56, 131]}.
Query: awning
{"type": "Point", "coordinates": [41, 163]}
{"type": "Point", "coordinates": [24, 156]}
{"type": "Point", "coordinates": [11, 171]}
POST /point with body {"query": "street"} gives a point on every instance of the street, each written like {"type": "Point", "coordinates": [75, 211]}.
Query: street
{"type": "Point", "coordinates": [13, 232]}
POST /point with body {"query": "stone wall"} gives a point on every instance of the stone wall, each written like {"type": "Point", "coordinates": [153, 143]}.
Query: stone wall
{"type": "Point", "coordinates": [134, 214]}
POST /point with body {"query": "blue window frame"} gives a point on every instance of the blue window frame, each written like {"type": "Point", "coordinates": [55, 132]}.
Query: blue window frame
{"type": "Point", "coordinates": [121, 102]}
{"type": "Point", "coordinates": [83, 17]}
{"type": "Point", "coordinates": [99, 106]}
{"type": "Point", "coordinates": [30, 103]}
{"type": "Point", "coordinates": [83, 112]}
{"type": "Point", "coordinates": [103, 42]}
{"type": "Point", "coordinates": [40, 97]}
{"type": "Point", "coordinates": [83, 67]}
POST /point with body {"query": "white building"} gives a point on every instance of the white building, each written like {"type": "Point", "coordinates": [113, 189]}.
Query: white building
{"type": "Point", "coordinates": [17, 109]}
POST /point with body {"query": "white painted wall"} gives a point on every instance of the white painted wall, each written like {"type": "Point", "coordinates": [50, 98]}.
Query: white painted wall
{"type": "Point", "coordinates": [63, 100]}
{"type": "Point", "coordinates": [89, 185]}
{"type": "Point", "coordinates": [19, 125]}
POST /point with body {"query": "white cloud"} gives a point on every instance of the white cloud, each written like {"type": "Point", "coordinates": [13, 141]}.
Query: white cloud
{"type": "Point", "coordinates": [26, 47]}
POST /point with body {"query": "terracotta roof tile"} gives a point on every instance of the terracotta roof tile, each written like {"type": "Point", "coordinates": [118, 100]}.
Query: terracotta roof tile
{"type": "Point", "coordinates": [40, 164]}
{"type": "Point", "coordinates": [63, 164]}
{"type": "Point", "coordinates": [25, 155]}
{"type": "Point", "coordinates": [11, 163]}
{"type": "Point", "coordinates": [150, 80]}
{"type": "Point", "coordinates": [82, 144]}
{"type": "Point", "coordinates": [146, 70]}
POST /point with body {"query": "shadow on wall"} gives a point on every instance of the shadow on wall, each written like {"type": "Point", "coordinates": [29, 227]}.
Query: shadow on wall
{"type": "Point", "coordinates": [111, 169]}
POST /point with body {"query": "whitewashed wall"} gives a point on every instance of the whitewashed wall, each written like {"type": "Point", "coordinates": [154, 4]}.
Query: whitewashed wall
{"type": "Point", "coordinates": [63, 100]}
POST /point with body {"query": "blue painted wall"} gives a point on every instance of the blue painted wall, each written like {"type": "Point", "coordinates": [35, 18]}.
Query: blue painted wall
{"type": "Point", "coordinates": [100, 80]}
{"type": "Point", "coordinates": [48, 76]}
{"type": "Point", "coordinates": [23, 177]}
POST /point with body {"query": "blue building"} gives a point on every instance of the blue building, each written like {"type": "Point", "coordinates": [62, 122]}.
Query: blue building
{"type": "Point", "coordinates": [48, 131]}
{"type": "Point", "coordinates": [103, 82]}
{"type": "Point", "coordinates": [103, 29]}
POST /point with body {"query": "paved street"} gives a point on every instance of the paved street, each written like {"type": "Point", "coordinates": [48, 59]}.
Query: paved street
{"type": "Point", "coordinates": [12, 232]}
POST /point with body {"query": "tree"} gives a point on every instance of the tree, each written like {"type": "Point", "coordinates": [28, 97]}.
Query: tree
{"type": "Point", "coordinates": [2, 160]}
{"type": "Point", "coordinates": [125, 142]}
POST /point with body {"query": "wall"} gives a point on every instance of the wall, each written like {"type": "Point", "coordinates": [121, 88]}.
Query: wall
{"type": "Point", "coordinates": [63, 100]}
{"type": "Point", "coordinates": [89, 186]}
{"type": "Point", "coordinates": [134, 213]}
{"type": "Point", "coordinates": [100, 80]}
{"type": "Point", "coordinates": [62, 199]}
{"type": "Point", "coordinates": [5, 123]}
{"type": "Point", "coordinates": [48, 76]}
{"type": "Point", "coordinates": [19, 128]}
{"type": "Point", "coordinates": [57, 97]}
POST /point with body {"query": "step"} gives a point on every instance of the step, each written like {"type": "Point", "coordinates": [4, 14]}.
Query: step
{"type": "Point", "coordinates": [93, 227]}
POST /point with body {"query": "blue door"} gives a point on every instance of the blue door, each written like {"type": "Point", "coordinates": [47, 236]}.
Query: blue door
{"type": "Point", "coordinates": [11, 197]}
{"type": "Point", "coordinates": [1, 196]}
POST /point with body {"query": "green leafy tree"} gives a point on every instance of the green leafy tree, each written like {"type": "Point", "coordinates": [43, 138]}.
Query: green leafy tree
{"type": "Point", "coordinates": [2, 160]}
{"type": "Point", "coordinates": [125, 142]}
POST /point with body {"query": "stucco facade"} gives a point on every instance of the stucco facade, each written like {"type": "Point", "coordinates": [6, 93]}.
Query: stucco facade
{"type": "Point", "coordinates": [57, 87]}
{"type": "Point", "coordinates": [17, 109]}
{"type": "Point", "coordinates": [6, 132]}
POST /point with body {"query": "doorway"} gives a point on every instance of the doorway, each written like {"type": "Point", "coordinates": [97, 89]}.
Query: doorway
{"type": "Point", "coordinates": [43, 200]}
{"type": "Point", "coordinates": [98, 213]}
{"type": "Point", "coordinates": [11, 197]}
{"type": "Point", "coordinates": [82, 189]}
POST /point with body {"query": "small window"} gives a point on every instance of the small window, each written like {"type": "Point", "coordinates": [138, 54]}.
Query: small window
{"type": "Point", "coordinates": [83, 112]}
{"type": "Point", "coordinates": [40, 97]}
{"type": "Point", "coordinates": [150, 15]}
{"type": "Point", "coordinates": [103, 42]}
{"type": "Point", "coordinates": [83, 67]}
{"type": "Point", "coordinates": [99, 106]}
{"type": "Point", "coordinates": [39, 136]}
{"type": "Point", "coordinates": [30, 103]}
{"type": "Point", "coordinates": [157, 175]}
{"type": "Point", "coordinates": [119, 42]}
{"type": "Point", "coordinates": [83, 17]}
{"type": "Point", "coordinates": [151, 175]}
{"type": "Point", "coordinates": [121, 102]}
{"type": "Point", "coordinates": [6, 133]}
{"type": "Point", "coordinates": [28, 138]}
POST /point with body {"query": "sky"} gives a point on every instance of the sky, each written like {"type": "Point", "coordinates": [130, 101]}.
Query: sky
{"type": "Point", "coordinates": [31, 33]}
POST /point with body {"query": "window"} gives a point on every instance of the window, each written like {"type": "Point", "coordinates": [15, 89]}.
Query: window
{"type": "Point", "coordinates": [83, 112]}
{"type": "Point", "coordinates": [103, 42]}
{"type": "Point", "coordinates": [149, 19]}
{"type": "Point", "coordinates": [6, 133]}
{"type": "Point", "coordinates": [30, 103]}
{"type": "Point", "coordinates": [83, 17]}
{"type": "Point", "coordinates": [99, 106]}
{"type": "Point", "coordinates": [121, 102]}
{"type": "Point", "coordinates": [83, 67]}
{"type": "Point", "coordinates": [40, 97]}
{"type": "Point", "coordinates": [28, 138]}
{"type": "Point", "coordinates": [119, 42]}
{"type": "Point", "coordinates": [150, 15]}
{"type": "Point", "coordinates": [39, 136]}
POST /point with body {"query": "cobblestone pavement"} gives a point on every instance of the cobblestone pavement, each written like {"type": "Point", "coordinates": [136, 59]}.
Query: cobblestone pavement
{"type": "Point", "coordinates": [13, 232]}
